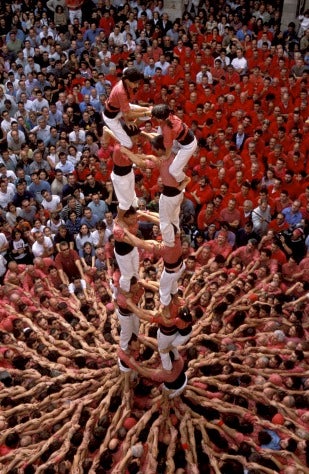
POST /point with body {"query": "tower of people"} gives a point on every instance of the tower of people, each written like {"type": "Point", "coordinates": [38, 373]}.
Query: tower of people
{"type": "Point", "coordinates": [172, 146]}
{"type": "Point", "coordinates": [187, 353]}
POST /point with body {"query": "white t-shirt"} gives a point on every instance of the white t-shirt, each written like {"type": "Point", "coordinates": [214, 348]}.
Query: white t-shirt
{"type": "Point", "coordinates": [7, 197]}
{"type": "Point", "coordinates": [51, 205]}
{"type": "Point", "coordinates": [3, 241]}
{"type": "Point", "coordinates": [38, 249]}
{"type": "Point", "coordinates": [72, 287]}
{"type": "Point", "coordinates": [239, 63]}
{"type": "Point", "coordinates": [2, 265]}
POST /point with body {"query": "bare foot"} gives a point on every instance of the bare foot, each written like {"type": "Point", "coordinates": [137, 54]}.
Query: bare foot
{"type": "Point", "coordinates": [184, 183]}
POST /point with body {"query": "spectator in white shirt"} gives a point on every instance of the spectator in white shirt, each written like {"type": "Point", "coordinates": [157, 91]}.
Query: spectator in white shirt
{"type": "Point", "coordinates": [116, 37]}
{"type": "Point", "coordinates": [7, 192]}
{"type": "Point", "coordinates": [32, 66]}
{"type": "Point", "coordinates": [64, 165]}
{"type": "Point", "coordinates": [43, 246]}
{"type": "Point", "coordinates": [42, 130]}
{"type": "Point", "coordinates": [39, 102]}
{"type": "Point", "coordinates": [240, 63]}
{"type": "Point", "coordinates": [50, 202]}
{"type": "Point", "coordinates": [78, 138]}
{"type": "Point", "coordinates": [6, 122]}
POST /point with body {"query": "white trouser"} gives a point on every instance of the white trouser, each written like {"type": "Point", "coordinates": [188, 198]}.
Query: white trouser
{"type": "Point", "coordinates": [128, 325]}
{"type": "Point", "coordinates": [114, 124]}
{"type": "Point", "coordinates": [128, 265]}
{"type": "Point", "coordinates": [124, 187]}
{"type": "Point", "coordinates": [181, 159]}
{"type": "Point", "coordinates": [169, 284]}
{"type": "Point", "coordinates": [75, 14]}
{"type": "Point", "coordinates": [175, 340]}
{"type": "Point", "coordinates": [169, 210]}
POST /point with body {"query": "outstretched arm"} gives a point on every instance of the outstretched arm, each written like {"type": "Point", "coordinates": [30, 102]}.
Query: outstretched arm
{"type": "Point", "coordinates": [137, 242]}
{"type": "Point", "coordinates": [139, 159]}
{"type": "Point", "coordinates": [139, 156]}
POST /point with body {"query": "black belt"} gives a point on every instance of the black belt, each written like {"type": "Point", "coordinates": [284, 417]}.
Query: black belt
{"type": "Point", "coordinates": [171, 267]}
{"type": "Point", "coordinates": [172, 271]}
{"type": "Point", "coordinates": [168, 331]}
{"type": "Point", "coordinates": [185, 331]}
{"type": "Point", "coordinates": [110, 114]}
{"type": "Point", "coordinates": [122, 170]}
{"type": "Point", "coordinates": [183, 132]}
{"type": "Point", "coordinates": [122, 248]}
{"type": "Point", "coordinates": [187, 139]}
{"type": "Point", "coordinates": [170, 191]}
{"type": "Point", "coordinates": [124, 311]}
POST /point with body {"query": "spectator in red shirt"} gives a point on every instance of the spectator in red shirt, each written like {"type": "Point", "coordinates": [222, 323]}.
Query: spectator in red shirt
{"type": "Point", "coordinates": [68, 264]}
{"type": "Point", "coordinates": [278, 224]}
{"type": "Point", "coordinates": [201, 193]}
{"type": "Point", "coordinates": [231, 214]}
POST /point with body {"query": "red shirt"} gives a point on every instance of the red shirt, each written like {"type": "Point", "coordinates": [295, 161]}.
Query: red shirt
{"type": "Point", "coordinates": [66, 262]}
{"type": "Point", "coordinates": [172, 256]}
{"type": "Point", "coordinates": [118, 99]}
{"type": "Point", "coordinates": [218, 249]}
{"type": "Point", "coordinates": [204, 220]}
{"type": "Point", "coordinates": [107, 24]}
{"type": "Point", "coordinates": [119, 159]}
{"type": "Point", "coordinates": [171, 134]}
{"type": "Point", "coordinates": [167, 178]}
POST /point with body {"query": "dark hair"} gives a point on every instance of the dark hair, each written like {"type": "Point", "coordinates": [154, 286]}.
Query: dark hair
{"type": "Point", "coordinates": [232, 467]}
{"type": "Point", "coordinates": [12, 440]}
{"type": "Point", "coordinates": [160, 111]}
{"type": "Point", "coordinates": [130, 212]}
{"type": "Point", "coordinates": [185, 315]}
{"type": "Point", "coordinates": [264, 437]}
{"type": "Point", "coordinates": [158, 143]}
{"type": "Point", "coordinates": [292, 445]}
{"type": "Point", "coordinates": [132, 74]}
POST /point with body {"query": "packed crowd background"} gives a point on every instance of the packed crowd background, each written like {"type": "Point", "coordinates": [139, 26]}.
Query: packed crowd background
{"type": "Point", "coordinates": [240, 82]}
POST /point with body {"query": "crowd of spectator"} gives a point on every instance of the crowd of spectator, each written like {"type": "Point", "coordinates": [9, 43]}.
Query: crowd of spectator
{"type": "Point", "coordinates": [240, 82]}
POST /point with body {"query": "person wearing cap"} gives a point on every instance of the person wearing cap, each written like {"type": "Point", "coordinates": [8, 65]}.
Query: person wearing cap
{"type": "Point", "coordinates": [118, 106]}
